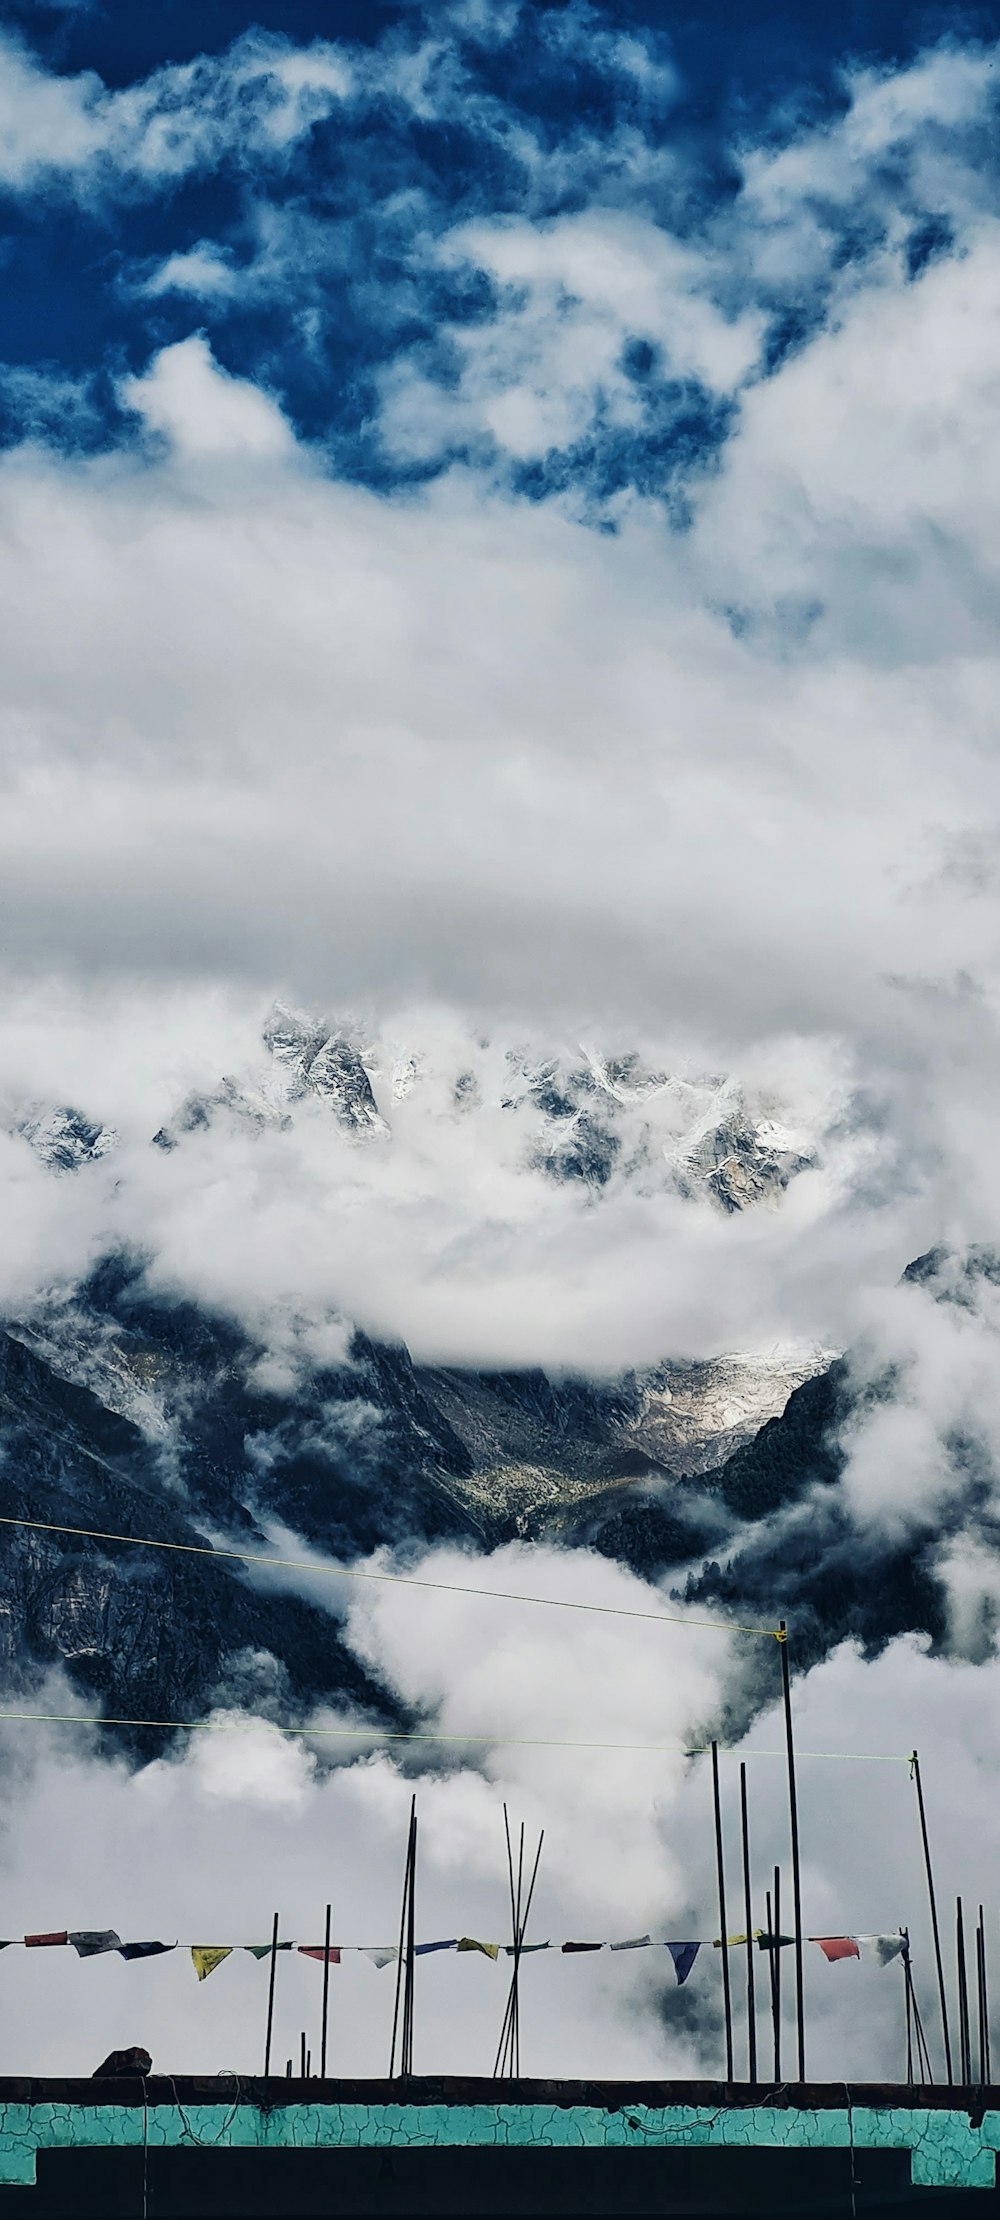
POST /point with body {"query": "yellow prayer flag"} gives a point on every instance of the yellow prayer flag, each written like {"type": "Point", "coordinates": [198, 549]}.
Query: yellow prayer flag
{"type": "Point", "coordinates": [468, 1942]}
{"type": "Point", "coordinates": [205, 1958]}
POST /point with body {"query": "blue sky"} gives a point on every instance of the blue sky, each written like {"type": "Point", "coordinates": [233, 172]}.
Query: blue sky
{"type": "Point", "coordinates": [343, 201]}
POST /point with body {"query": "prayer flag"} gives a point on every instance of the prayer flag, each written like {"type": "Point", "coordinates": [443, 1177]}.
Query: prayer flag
{"type": "Point", "coordinates": [379, 1957]}
{"type": "Point", "coordinates": [263, 1950]}
{"type": "Point", "coordinates": [206, 1956]}
{"type": "Point", "coordinates": [424, 1950]}
{"type": "Point", "coordinates": [525, 1948]}
{"type": "Point", "coordinates": [320, 1951]}
{"type": "Point", "coordinates": [42, 1942]}
{"type": "Point", "coordinates": [883, 1948]}
{"type": "Point", "coordinates": [836, 1946]}
{"type": "Point", "coordinates": [144, 1949]}
{"type": "Point", "coordinates": [581, 1946]}
{"type": "Point", "coordinates": [89, 1943]}
{"type": "Point", "coordinates": [683, 1955]}
{"type": "Point", "coordinates": [468, 1942]}
{"type": "Point", "coordinates": [735, 1942]}
{"type": "Point", "coordinates": [637, 1942]}
{"type": "Point", "coordinates": [775, 1942]}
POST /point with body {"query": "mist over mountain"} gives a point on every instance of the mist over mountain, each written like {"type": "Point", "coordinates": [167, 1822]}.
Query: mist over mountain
{"type": "Point", "coordinates": [139, 1410]}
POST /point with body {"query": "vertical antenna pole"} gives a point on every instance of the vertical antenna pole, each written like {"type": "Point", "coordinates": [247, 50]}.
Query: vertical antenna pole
{"type": "Point", "coordinates": [793, 1821]}
{"type": "Point", "coordinates": [411, 1952]}
{"type": "Point", "coordinates": [777, 1973]}
{"type": "Point", "coordinates": [908, 1986]}
{"type": "Point", "coordinates": [935, 1931]}
{"type": "Point", "coordinates": [400, 1954]}
{"type": "Point", "coordinates": [270, 1998]}
{"type": "Point", "coordinates": [771, 1955]}
{"type": "Point", "coordinates": [302, 2055]}
{"type": "Point", "coordinates": [982, 2003]}
{"type": "Point", "coordinates": [986, 2003]}
{"type": "Point", "coordinates": [726, 1997]}
{"type": "Point", "coordinates": [963, 1996]}
{"type": "Point", "coordinates": [326, 1999]}
{"type": "Point", "coordinates": [748, 1913]}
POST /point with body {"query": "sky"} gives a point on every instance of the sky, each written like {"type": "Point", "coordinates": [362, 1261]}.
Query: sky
{"type": "Point", "coordinates": [498, 549]}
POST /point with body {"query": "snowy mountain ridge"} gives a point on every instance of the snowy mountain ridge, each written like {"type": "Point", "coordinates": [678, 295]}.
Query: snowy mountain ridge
{"type": "Point", "coordinates": [579, 1116]}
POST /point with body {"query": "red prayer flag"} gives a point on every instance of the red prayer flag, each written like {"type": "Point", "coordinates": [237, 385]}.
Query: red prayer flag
{"type": "Point", "coordinates": [317, 1950]}
{"type": "Point", "coordinates": [37, 1942]}
{"type": "Point", "coordinates": [837, 1946]}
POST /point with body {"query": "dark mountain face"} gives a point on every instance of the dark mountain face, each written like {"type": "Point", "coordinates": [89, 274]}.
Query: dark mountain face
{"type": "Point", "coordinates": [148, 1634]}
{"type": "Point", "coordinates": [183, 1432]}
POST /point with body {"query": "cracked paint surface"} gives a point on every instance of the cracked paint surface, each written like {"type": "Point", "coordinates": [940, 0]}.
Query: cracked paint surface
{"type": "Point", "coordinates": [946, 2151]}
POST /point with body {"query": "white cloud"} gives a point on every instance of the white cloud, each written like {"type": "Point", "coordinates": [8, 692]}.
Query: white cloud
{"type": "Point", "coordinates": [186, 396]}
{"type": "Point", "coordinates": [628, 1848]}
{"type": "Point", "coordinates": [202, 271]}
{"type": "Point", "coordinates": [251, 103]}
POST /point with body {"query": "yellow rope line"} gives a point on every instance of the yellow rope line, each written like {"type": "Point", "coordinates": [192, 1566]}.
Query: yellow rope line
{"type": "Point", "coordinates": [425, 1734]}
{"type": "Point", "coordinates": [398, 1580]}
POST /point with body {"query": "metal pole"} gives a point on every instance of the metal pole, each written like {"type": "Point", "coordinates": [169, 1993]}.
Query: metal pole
{"type": "Point", "coordinates": [302, 2055]}
{"type": "Point", "coordinates": [726, 1997]}
{"type": "Point", "coordinates": [938, 1959]}
{"type": "Point", "coordinates": [748, 1911]}
{"type": "Point", "coordinates": [982, 2008]}
{"type": "Point", "coordinates": [326, 1998]}
{"type": "Point", "coordinates": [270, 1998]}
{"type": "Point", "coordinates": [793, 1820]}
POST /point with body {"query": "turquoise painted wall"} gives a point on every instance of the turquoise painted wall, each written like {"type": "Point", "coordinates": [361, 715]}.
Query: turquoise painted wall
{"type": "Point", "coordinates": [946, 2151]}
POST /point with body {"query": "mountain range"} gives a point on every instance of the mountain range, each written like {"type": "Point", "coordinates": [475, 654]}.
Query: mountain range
{"type": "Point", "coordinates": [128, 1411]}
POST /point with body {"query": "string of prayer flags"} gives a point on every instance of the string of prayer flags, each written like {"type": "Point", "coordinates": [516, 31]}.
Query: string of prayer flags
{"type": "Point", "coordinates": [683, 1955]}
{"type": "Point", "coordinates": [635, 1942]}
{"type": "Point", "coordinates": [144, 1949]}
{"type": "Point", "coordinates": [379, 1957]}
{"type": "Point", "coordinates": [424, 1950]}
{"type": "Point", "coordinates": [90, 1942]}
{"type": "Point", "coordinates": [836, 1946]}
{"type": "Point", "coordinates": [45, 1942]}
{"type": "Point", "coordinates": [205, 1957]}
{"type": "Point", "coordinates": [320, 1951]}
{"type": "Point", "coordinates": [567, 1947]}
{"type": "Point", "coordinates": [468, 1942]}
{"type": "Point", "coordinates": [263, 1950]}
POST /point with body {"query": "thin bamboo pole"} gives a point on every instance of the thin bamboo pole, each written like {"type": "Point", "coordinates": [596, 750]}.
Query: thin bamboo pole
{"type": "Point", "coordinates": [793, 1822]}
{"type": "Point", "coordinates": [748, 1913]}
{"type": "Point", "coordinates": [326, 1998]}
{"type": "Point", "coordinates": [270, 1998]}
{"type": "Point", "coordinates": [726, 1995]}
{"type": "Point", "coordinates": [935, 1930]}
